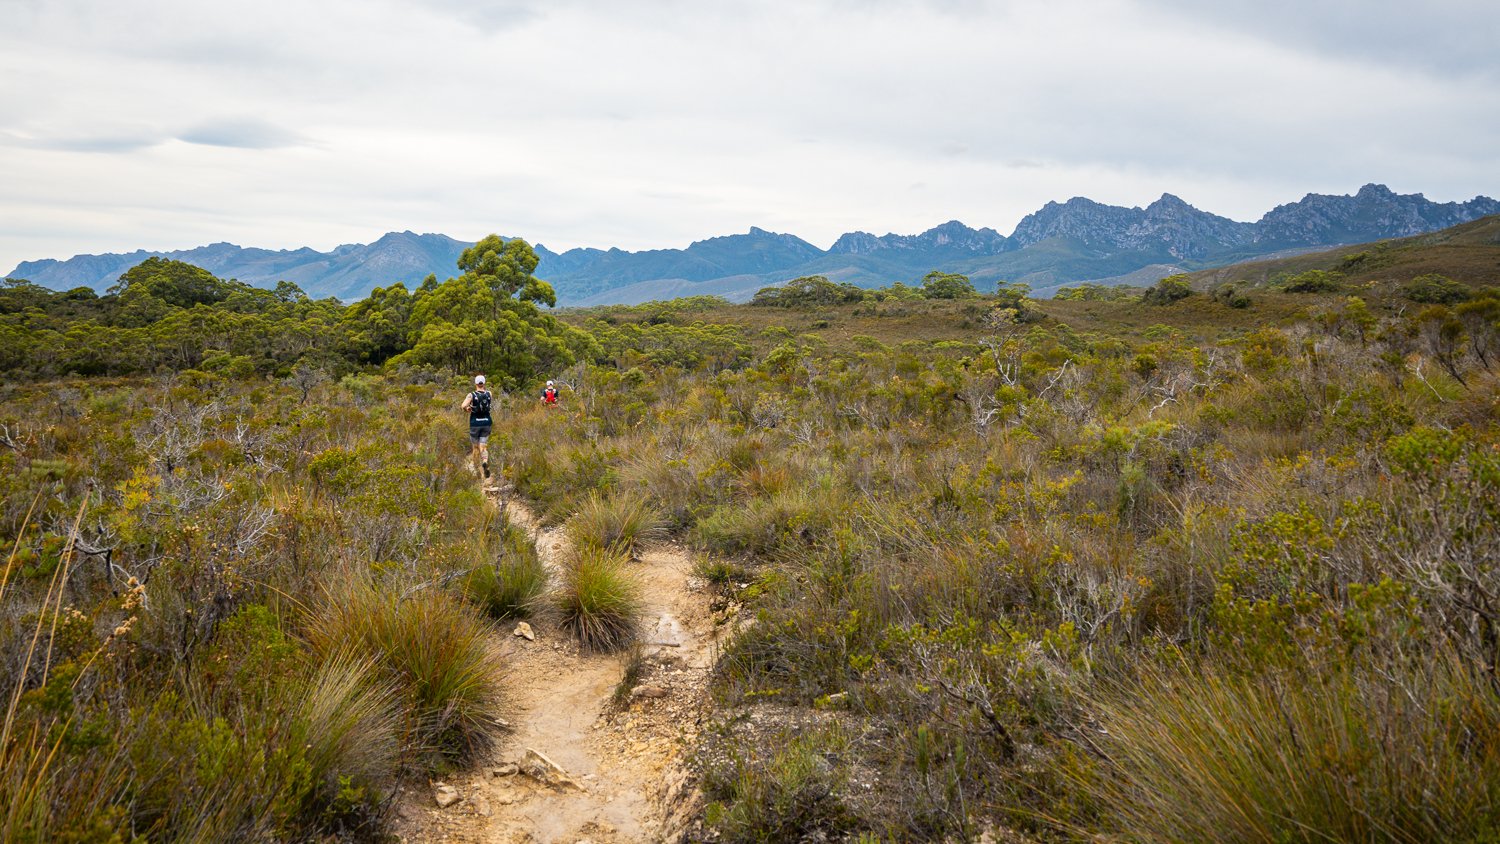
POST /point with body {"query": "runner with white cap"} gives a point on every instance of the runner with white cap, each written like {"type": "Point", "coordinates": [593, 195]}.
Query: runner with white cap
{"type": "Point", "coordinates": [478, 404]}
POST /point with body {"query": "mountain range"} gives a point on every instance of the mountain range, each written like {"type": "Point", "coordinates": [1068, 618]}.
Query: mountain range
{"type": "Point", "coordinates": [1061, 243]}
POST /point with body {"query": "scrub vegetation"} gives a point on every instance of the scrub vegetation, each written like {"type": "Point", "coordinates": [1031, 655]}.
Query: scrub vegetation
{"type": "Point", "coordinates": [1157, 565]}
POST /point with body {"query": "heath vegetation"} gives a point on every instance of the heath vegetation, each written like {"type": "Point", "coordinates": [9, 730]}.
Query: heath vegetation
{"type": "Point", "coordinates": [1165, 565]}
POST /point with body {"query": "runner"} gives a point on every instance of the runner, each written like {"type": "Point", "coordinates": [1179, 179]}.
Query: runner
{"type": "Point", "coordinates": [477, 404]}
{"type": "Point", "coordinates": [549, 395]}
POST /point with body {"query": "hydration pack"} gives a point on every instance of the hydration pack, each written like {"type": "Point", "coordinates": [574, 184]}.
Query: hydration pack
{"type": "Point", "coordinates": [479, 407]}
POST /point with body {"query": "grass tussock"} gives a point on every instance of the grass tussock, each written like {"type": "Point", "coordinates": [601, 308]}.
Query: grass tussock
{"type": "Point", "coordinates": [512, 585]}
{"type": "Point", "coordinates": [436, 651]}
{"type": "Point", "coordinates": [621, 524]}
{"type": "Point", "coordinates": [599, 600]}
{"type": "Point", "coordinates": [1341, 755]}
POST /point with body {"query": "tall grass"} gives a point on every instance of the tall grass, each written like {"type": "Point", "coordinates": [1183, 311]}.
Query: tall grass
{"type": "Point", "coordinates": [620, 524]}
{"type": "Point", "coordinates": [512, 585]}
{"type": "Point", "coordinates": [316, 754]}
{"type": "Point", "coordinates": [437, 652]}
{"type": "Point", "coordinates": [1409, 755]}
{"type": "Point", "coordinates": [599, 600]}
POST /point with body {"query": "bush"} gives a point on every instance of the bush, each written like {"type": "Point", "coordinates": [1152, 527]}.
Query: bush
{"type": "Point", "coordinates": [621, 524]}
{"type": "Point", "coordinates": [1312, 281]}
{"type": "Point", "coordinates": [1167, 291]}
{"type": "Point", "coordinates": [599, 600]}
{"type": "Point", "coordinates": [941, 285]}
{"type": "Point", "coordinates": [793, 796]}
{"type": "Point", "coordinates": [1230, 296]}
{"type": "Point", "coordinates": [1435, 289]}
{"type": "Point", "coordinates": [762, 525]}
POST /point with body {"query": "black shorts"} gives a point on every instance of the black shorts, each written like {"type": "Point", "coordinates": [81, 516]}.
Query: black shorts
{"type": "Point", "coordinates": [479, 434]}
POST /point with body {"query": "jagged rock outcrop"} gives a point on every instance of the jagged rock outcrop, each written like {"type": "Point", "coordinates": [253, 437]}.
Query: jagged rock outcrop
{"type": "Point", "coordinates": [1168, 224]}
{"type": "Point", "coordinates": [951, 236]}
{"type": "Point", "coordinates": [1374, 213]}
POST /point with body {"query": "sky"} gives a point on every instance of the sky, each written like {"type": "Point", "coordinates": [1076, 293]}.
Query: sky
{"type": "Point", "coordinates": [169, 124]}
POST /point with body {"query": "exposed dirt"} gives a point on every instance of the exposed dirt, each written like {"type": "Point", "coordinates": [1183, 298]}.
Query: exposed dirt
{"type": "Point", "coordinates": [624, 778]}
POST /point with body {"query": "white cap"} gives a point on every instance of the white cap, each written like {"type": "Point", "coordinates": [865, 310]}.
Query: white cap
{"type": "Point", "coordinates": [549, 383]}
{"type": "Point", "coordinates": [478, 379]}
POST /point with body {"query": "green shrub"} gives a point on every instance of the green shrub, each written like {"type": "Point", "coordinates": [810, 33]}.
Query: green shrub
{"type": "Point", "coordinates": [1312, 281]}
{"type": "Point", "coordinates": [599, 599]}
{"type": "Point", "coordinates": [762, 525]}
{"type": "Point", "coordinates": [794, 795]}
{"type": "Point", "coordinates": [1167, 290]}
{"type": "Point", "coordinates": [1231, 296]}
{"type": "Point", "coordinates": [1436, 289]}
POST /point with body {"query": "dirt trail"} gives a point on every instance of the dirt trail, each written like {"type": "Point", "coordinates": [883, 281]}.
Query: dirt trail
{"type": "Point", "coordinates": [625, 762]}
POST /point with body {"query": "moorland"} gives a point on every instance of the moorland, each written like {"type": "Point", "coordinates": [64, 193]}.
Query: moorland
{"type": "Point", "coordinates": [1215, 559]}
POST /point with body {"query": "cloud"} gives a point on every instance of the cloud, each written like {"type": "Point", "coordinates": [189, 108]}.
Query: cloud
{"type": "Point", "coordinates": [1443, 37]}
{"type": "Point", "coordinates": [100, 143]}
{"type": "Point", "coordinates": [650, 123]}
{"type": "Point", "coordinates": [240, 133]}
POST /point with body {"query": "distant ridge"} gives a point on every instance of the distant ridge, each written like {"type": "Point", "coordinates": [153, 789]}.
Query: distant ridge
{"type": "Point", "coordinates": [1060, 243]}
{"type": "Point", "coordinates": [350, 271]}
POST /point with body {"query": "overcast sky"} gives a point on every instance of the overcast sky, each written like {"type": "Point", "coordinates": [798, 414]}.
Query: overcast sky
{"type": "Point", "coordinates": [168, 124]}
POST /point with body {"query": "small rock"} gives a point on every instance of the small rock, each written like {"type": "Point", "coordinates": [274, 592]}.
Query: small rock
{"type": "Point", "coordinates": [505, 799]}
{"type": "Point", "coordinates": [648, 691]}
{"type": "Point", "coordinates": [524, 630]}
{"type": "Point", "coordinates": [536, 765]}
{"type": "Point", "coordinates": [481, 805]}
{"type": "Point", "coordinates": [509, 769]}
{"type": "Point", "coordinates": [445, 795]}
{"type": "Point", "coordinates": [666, 633]}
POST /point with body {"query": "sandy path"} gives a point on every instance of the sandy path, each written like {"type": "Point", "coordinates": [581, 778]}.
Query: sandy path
{"type": "Point", "coordinates": [625, 760]}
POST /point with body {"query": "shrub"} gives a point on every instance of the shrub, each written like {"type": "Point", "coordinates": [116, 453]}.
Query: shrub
{"type": "Point", "coordinates": [1231, 296]}
{"type": "Point", "coordinates": [762, 525]}
{"type": "Point", "coordinates": [1167, 290]}
{"type": "Point", "coordinates": [1435, 289]}
{"type": "Point", "coordinates": [436, 651]}
{"type": "Point", "coordinates": [795, 795]}
{"type": "Point", "coordinates": [621, 524]}
{"type": "Point", "coordinates": [314, 754]}
{"type": "Point", "coordinates": [599, 600]}
{"type": "Point", "coordinates": [1312, 281]}
{"type": "Point", "coordinates": [940, 285]}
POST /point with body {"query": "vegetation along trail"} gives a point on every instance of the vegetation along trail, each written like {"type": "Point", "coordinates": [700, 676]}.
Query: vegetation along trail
{"type": "Point", "coordinates": [587, 757]}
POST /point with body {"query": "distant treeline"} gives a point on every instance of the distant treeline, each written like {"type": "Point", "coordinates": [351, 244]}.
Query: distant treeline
{"type": "Point", "coordinates": [166, 315]}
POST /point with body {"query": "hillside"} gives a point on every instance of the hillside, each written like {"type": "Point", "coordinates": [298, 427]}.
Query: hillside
{"type": "Point", "coordinates": [1061, 243]}
{"type": "Point", "coordinates": [1468, 253]}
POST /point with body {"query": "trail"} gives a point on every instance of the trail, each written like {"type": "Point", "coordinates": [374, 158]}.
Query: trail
{"type": "Point", "coordinates": [626, 761]}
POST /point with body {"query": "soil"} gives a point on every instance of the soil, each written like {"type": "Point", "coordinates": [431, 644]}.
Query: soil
{"type": "Point", "coordinates": [623, 774]}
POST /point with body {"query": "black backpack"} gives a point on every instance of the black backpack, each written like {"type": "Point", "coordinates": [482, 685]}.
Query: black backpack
{"type": "Point", "coordinates": [480, 406]}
